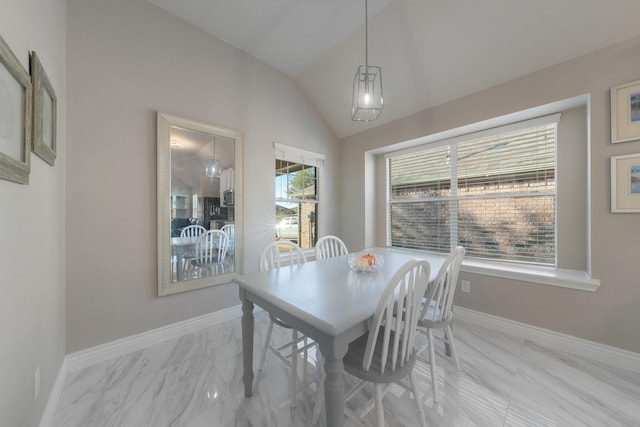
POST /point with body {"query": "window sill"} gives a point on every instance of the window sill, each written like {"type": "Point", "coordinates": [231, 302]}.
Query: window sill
{"type": "Point", "coordinates": [572, 279]}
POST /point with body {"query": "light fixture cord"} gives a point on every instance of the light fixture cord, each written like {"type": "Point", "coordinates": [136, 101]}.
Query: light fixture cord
{"type": "Point", "coordinates": [366, 48]}
{"type": "Point", "coordinates": [366, 37]}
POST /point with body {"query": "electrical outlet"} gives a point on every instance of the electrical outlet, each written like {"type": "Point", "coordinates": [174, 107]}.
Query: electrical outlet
{"type": "Point", "coordinates": [466, 286]}
{"type": "Point", "coordinates": [36, 383]}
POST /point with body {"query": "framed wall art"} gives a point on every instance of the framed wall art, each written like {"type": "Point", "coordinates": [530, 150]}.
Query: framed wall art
{"type": "Point", "coordinates": [625, 112]}
{"type": "Point", "coordinates": [15, 117]}
{"type": "Point", "coordinates": [625, 183]}
{"type": "Point", "coordinates": [44, 112]}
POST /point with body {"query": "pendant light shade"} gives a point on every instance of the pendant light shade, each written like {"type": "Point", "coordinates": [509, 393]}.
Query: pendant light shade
{"type": "Point", "coordinates": [212, 169]}
{"type": "Point", "coordinates": [367, 102]}
{"type": "Point", "coordinates": [212, 166]}
{"type": "Point", "coordinates": [367, 93]}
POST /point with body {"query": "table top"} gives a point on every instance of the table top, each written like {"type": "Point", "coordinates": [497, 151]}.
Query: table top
{"type": "Point", "coordinates": [183, 241]}
{"type": "Point", "coordinates": [327, 294]}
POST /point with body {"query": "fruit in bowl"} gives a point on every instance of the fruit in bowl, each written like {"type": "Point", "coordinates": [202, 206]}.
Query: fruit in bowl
{"type": "Point", "coordinates": [370, 258]}
{"type": "Point", "coordinates": [361, 263]}
{"type": "Point", "coordinates": [365, 262]}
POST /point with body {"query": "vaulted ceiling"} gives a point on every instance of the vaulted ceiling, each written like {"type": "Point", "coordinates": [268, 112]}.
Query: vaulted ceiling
{"type": "Point", "coordinates": [431, 51]}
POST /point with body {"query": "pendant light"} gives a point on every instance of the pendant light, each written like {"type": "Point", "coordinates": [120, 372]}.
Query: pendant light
{"type": "Point", "coordinates": [212, 167]}
{"type": "Point", "coordinates": [367, 101]}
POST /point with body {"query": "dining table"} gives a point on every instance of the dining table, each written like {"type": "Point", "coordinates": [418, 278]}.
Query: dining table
{"type": "Point", "coordinates": [179, 247]}
{"type": "Point", "coordinates": [327, 301]}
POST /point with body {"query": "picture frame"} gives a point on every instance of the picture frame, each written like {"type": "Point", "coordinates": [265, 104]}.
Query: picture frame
{"type": "Point", "coordinates": [625, 183]}
{"type": "Point", "coordinates": [15, 117]}
{"type": "Point", "coordinates": [44, 112]}
{"type": "Point", "coordinates": [625, 112]}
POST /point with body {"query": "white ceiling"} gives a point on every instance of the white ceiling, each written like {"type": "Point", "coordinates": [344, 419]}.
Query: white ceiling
{"type": "Point", "coordinates": [190, 151]}
{"type": "Point", "coordinates": [431, 51]}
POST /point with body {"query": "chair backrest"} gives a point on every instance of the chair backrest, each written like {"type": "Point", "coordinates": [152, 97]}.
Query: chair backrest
{"type": "Point", "coordinates": [280, 252]}
{"type": "Point", "coordinates": [230, 229]}
{"type": "Point", "coordinates": [329, 247]}
{"type": "Point", "coordinates": [439, 298]}
{"type": "Point", "coordinates": [192, 231]}
{"type": "Point", "coordinates": [211, 247]}
{"type": "Point", "coordinates": [396, 317]}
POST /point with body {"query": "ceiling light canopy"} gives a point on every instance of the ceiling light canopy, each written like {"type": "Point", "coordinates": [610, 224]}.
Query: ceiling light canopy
{"type": "Point", "coordinates": [367, 103]}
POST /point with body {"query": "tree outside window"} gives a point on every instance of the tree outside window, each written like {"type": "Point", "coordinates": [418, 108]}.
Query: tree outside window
{"type": "Point", "coordinates": [296, 186]}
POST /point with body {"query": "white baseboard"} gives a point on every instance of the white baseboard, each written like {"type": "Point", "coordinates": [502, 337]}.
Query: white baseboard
{"type": "Point", "coordinates": [103, 352]}
{"type": "Point", "coordinates": [54, 397]}
{"type": "Point", "coordinates": [589, 349]}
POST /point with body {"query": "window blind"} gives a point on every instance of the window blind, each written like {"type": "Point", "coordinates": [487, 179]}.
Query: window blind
{"type": "Point", "coordinates": [298, 155]}
{"type": "Point", "coordinates": [494, 194]}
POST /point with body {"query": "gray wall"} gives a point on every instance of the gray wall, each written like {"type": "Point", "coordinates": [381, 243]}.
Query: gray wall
{"type": "Point", "coordinates": [32, 230]}
{"type": "Point", "coordinates": [127, 59]}
{"type": "Point", "coordinates": [610, 315]}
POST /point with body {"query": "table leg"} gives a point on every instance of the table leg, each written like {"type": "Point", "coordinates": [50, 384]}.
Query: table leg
{"type": "Point", "coordinates": [247, 344]}
{"type": "Point", "coordinates": [334, 384]}
{"type": "Point", "coordinates": [179, 253]}
{"type": "Point", "coordinates": [179, 269]}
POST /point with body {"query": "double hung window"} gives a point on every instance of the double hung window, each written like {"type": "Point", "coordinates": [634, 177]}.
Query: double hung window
{"type": "Point", "coordinates": [296, 191]}
{"type": "Point", "coordinates": [493, 192]}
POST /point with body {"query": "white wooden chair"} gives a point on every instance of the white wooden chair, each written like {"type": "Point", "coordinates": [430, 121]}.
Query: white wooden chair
{"type": "Point", "coordinates": [190, 231]}
{"type": "Point", "coordinates": [279, 254]}
{"type": "Point", "coordinates": [437, 313]}
{"type": "Point", "coordinates": [386, 354]}
{"type": "Point", "coordinates": [329, 247]}
{"type": "Point", "coordinates": [210, 253]}
{"type": "Point", "coordinates": [230, 229]}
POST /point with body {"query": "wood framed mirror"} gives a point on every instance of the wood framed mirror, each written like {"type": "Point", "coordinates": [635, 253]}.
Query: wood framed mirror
{"type": "Point", "coordinates": [199, 193]}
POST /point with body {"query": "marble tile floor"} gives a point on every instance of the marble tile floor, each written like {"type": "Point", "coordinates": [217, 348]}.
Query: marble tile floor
{"type": "Point", "coordinates": [196, 381]}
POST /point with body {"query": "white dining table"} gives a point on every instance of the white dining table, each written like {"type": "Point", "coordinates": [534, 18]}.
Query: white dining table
{"type": "Point", "coordinates": [326, 301]}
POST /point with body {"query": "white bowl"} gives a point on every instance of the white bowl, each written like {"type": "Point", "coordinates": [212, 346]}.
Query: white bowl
{"type": "Point", "coordinates": [357, 264]}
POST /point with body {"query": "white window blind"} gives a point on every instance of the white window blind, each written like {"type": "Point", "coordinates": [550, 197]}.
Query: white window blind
{"type": "Point", "coordinates": [493, 193]}
{"type": "Point", "coordinates": [298, 155]}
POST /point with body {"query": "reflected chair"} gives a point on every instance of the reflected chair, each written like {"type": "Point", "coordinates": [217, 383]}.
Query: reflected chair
{"type": "Point", "coordinates": [386, 354]}
{"type": "Point", "coordinates": [329, 247]}
{"type": "Point", "coordinates": [230, 229]}
{"type": "Point", "coordinates": [190, 231]}
{"type": "Point", "coordinates": [277, 255]}
{"type": "Point", "coordinates": [210, 253]}
{"type": "Point", "coordinates": [437, 311]}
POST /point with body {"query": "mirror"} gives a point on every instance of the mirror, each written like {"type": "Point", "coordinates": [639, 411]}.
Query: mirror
{"type": "Point", "coordinates": [199, 194]}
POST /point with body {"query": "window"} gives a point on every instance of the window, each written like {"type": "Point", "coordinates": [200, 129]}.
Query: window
{"type": "Point", "coordinates": [493, 192]}
{"type": "Point", "coordinates": [296, 194]}
{"type": "Point", "coordinates": [179, 207]}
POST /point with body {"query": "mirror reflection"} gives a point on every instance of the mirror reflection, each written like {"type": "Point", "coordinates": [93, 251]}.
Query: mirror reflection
{"type": "Point", "coordinates": [202, 181]}
{"type": "Point", "coordinates": [201, 204]}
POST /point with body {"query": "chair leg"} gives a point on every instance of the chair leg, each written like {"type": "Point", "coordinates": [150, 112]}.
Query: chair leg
{"type": "Point", "coordinates": [377, 391]}
{"type": "Point", "coordinates": [319, 403]}
{"type": "Point", "coordinates": [185, 263]}
{"type": "Point", "coordinates": [294, 368]}
{"type": "Point", "coordinates": [265, 350]}
{"type": "Point", "coordinates": [432, 362]}
{"type": "Point", "coordinates": [448, 333]}
{"type": "Point", "coordinates": [416, 398]}
{"type": "Point", "coordinates": [305, 358]}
